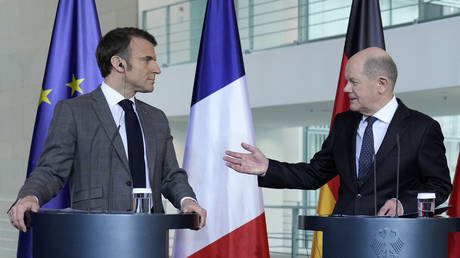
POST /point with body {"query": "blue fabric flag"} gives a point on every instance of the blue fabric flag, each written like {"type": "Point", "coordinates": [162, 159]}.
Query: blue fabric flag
{"type": "Point", "coordinates": [71, 70]}
{"type": "Point", "coordinates": [220, 46]}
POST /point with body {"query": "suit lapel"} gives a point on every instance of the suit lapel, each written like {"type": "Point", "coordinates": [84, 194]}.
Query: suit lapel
{"type": "Point", "coordinates": [105, 116]}
{"type": "Point", "coordinates": [149, 136]}
{"type": "Point", "coordinates": [397, 126]}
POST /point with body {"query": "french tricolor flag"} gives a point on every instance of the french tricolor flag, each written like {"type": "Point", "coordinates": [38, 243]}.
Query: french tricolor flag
{"type": "Point", "coordinates": [220, 119]}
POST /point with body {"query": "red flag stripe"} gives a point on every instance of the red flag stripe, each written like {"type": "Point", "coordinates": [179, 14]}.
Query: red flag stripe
{"type": "Point", "coordinates": [455, 195]}
{"type": "Point", "coordinates": [454, 238]}
{"type": "Point", "coordinates": [244, 241]}
{"type": "Point", "coordinates": [341, 104]}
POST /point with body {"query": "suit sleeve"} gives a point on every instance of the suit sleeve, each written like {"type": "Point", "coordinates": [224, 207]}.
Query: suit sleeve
{"type": "Point", "coordinates": [434, 172]}
{"type": "Point", "coordinates": [175, 184]}
{"type": "Point", "coordinates": [55, 163]}
{"type": "Point", "coordinates": [313, 175]}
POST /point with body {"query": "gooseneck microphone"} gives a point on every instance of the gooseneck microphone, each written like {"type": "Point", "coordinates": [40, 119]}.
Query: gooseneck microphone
{"type": "Point", "coordinates": [110, 192]}
{"type": "Point", "coordinates": [375, 185]}
{"type": "Point", "coordinates": [91, 162]}
{"type": "Point", "coordinates": [398, 146]}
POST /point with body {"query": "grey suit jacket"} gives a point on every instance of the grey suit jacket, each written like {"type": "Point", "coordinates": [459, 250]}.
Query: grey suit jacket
{"type": "Point", "coordinates": [84, 148]}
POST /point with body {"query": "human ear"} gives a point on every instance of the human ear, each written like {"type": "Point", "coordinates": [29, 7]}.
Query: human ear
{"type": "Point", "coordinates": [382, 84]}
{"type": "Point", "coordinates": [118, 63]}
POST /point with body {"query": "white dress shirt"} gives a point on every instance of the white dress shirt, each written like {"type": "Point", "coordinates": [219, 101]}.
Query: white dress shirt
{"type": "Point", "coordinates": [113, 97]}
{"type": "Point", "coordinates": [379, 128]}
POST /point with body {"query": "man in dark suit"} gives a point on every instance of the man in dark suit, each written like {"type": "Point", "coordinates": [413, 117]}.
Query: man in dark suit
{"type": "Point", "coordinates": [89, 144]}
{"type": "Point", "coordinates": [366, 134]}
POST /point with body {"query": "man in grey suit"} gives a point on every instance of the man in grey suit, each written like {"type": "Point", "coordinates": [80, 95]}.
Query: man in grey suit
{"type": "Point", "coordinates": [87, 143]}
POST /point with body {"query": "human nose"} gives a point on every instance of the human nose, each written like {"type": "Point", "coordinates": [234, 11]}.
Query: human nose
{"type": "Point", "coordinates": [347, 88]}
{"type": "Point", "coordinates": [156, 68]}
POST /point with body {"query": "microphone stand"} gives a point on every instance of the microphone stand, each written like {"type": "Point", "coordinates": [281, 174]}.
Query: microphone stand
{"type": "Point", "coordinates": [375, 186]}
{"type": "Point", "coordinates": [109, 199]}
{"type": "Point", "coordinates": [90, 186]}
{"type": "Point", "coordinates": [398, 146]}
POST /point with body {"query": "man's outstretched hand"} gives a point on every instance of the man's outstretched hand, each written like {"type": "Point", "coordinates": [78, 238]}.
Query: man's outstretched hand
{"type": "Point", "coordinates": [254, 163]}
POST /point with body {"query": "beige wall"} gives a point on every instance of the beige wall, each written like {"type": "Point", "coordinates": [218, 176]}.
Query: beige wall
{"type": "Point", "coordinates": [25, 33]}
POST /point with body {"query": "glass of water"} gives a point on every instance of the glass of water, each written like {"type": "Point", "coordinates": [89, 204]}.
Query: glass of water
{"type": "Point", "coordinates": [142, 200]}
{"type": "Point", "coordinates": [426, 203]}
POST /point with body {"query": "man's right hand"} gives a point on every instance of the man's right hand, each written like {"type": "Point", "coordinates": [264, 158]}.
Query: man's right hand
{"type": "Point", "coordinates": [16, 213]}
{"type": "Point", "coordinates": [254, 162]}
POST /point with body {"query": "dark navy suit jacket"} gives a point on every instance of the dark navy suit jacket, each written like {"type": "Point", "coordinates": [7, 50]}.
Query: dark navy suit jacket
{"type": "Point", "coordinates": [423, 164]}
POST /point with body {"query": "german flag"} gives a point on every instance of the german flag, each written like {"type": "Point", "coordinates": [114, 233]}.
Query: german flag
{"type": "Point", "coordinates": [364, 30]}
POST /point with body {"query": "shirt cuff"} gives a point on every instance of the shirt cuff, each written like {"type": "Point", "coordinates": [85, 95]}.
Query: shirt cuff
{"type": "Point", "coordinates": [36, 198]}
{"type": "Point", "coordinates": [186, 197]}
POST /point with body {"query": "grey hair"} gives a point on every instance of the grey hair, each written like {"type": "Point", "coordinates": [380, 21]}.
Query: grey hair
{"type": "Point", "coordinates": [379, 65]}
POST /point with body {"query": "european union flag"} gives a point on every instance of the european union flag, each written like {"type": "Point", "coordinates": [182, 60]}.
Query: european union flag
{"type": "Point", "coordinates": [71, 70]}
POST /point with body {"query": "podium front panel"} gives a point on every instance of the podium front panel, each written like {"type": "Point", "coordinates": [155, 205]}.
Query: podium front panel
{"type": "Point", "coordinates": [382, 237]}
{"type": "Point", "coordinates": [90, 235]}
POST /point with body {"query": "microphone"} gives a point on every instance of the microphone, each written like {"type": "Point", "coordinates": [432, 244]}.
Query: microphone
{"type": "Point", "coordinates": [109, 195]}
{"type": "Point", "coordinates": [398, 147]}
{"type": "Point", "coordinates": [91, 162]}
{"type": "Point", "coordinates": [375, 185]}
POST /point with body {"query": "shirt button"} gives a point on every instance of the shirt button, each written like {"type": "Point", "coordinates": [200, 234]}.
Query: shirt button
{"type": "Point", "coordinates": [128, 183]}
{"type": "Point", "coordinates": [358, 196]}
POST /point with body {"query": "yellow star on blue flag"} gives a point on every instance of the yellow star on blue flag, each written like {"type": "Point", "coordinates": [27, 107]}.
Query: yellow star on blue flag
{"type": "Point", "coordinates": [44, 96]}
{"type": "Point", "coordinates": [75, 85]}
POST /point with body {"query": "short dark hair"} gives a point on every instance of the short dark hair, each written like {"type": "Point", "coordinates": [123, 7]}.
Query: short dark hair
{"type": "Point", "coordinates": [375, 66]}
{"type": "Point", "coordinates": [116, 43]}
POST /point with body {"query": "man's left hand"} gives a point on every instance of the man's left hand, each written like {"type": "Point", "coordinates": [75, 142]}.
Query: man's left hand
{"type": "Point", "coordinates": [191, 206]}
{"type": "Point", "coordinates": [389, 208]}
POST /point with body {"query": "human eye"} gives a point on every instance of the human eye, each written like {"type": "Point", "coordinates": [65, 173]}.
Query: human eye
{"type": "Point", "coordinates": [148, 59]}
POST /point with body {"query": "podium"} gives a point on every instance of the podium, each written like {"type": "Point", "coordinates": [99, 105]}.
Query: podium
{"type": "Point", "coordinates": [116, 235]}
{"type": "Point", "coordinates": [358, 236]}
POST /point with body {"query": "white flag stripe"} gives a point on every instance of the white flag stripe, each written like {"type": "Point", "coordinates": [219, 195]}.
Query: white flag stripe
{"type": "Point", "coordinates": [219, 122]}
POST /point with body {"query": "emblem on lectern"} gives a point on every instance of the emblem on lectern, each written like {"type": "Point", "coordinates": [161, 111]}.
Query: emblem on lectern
{"type": "Point", "coordinates": [387, 243]}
